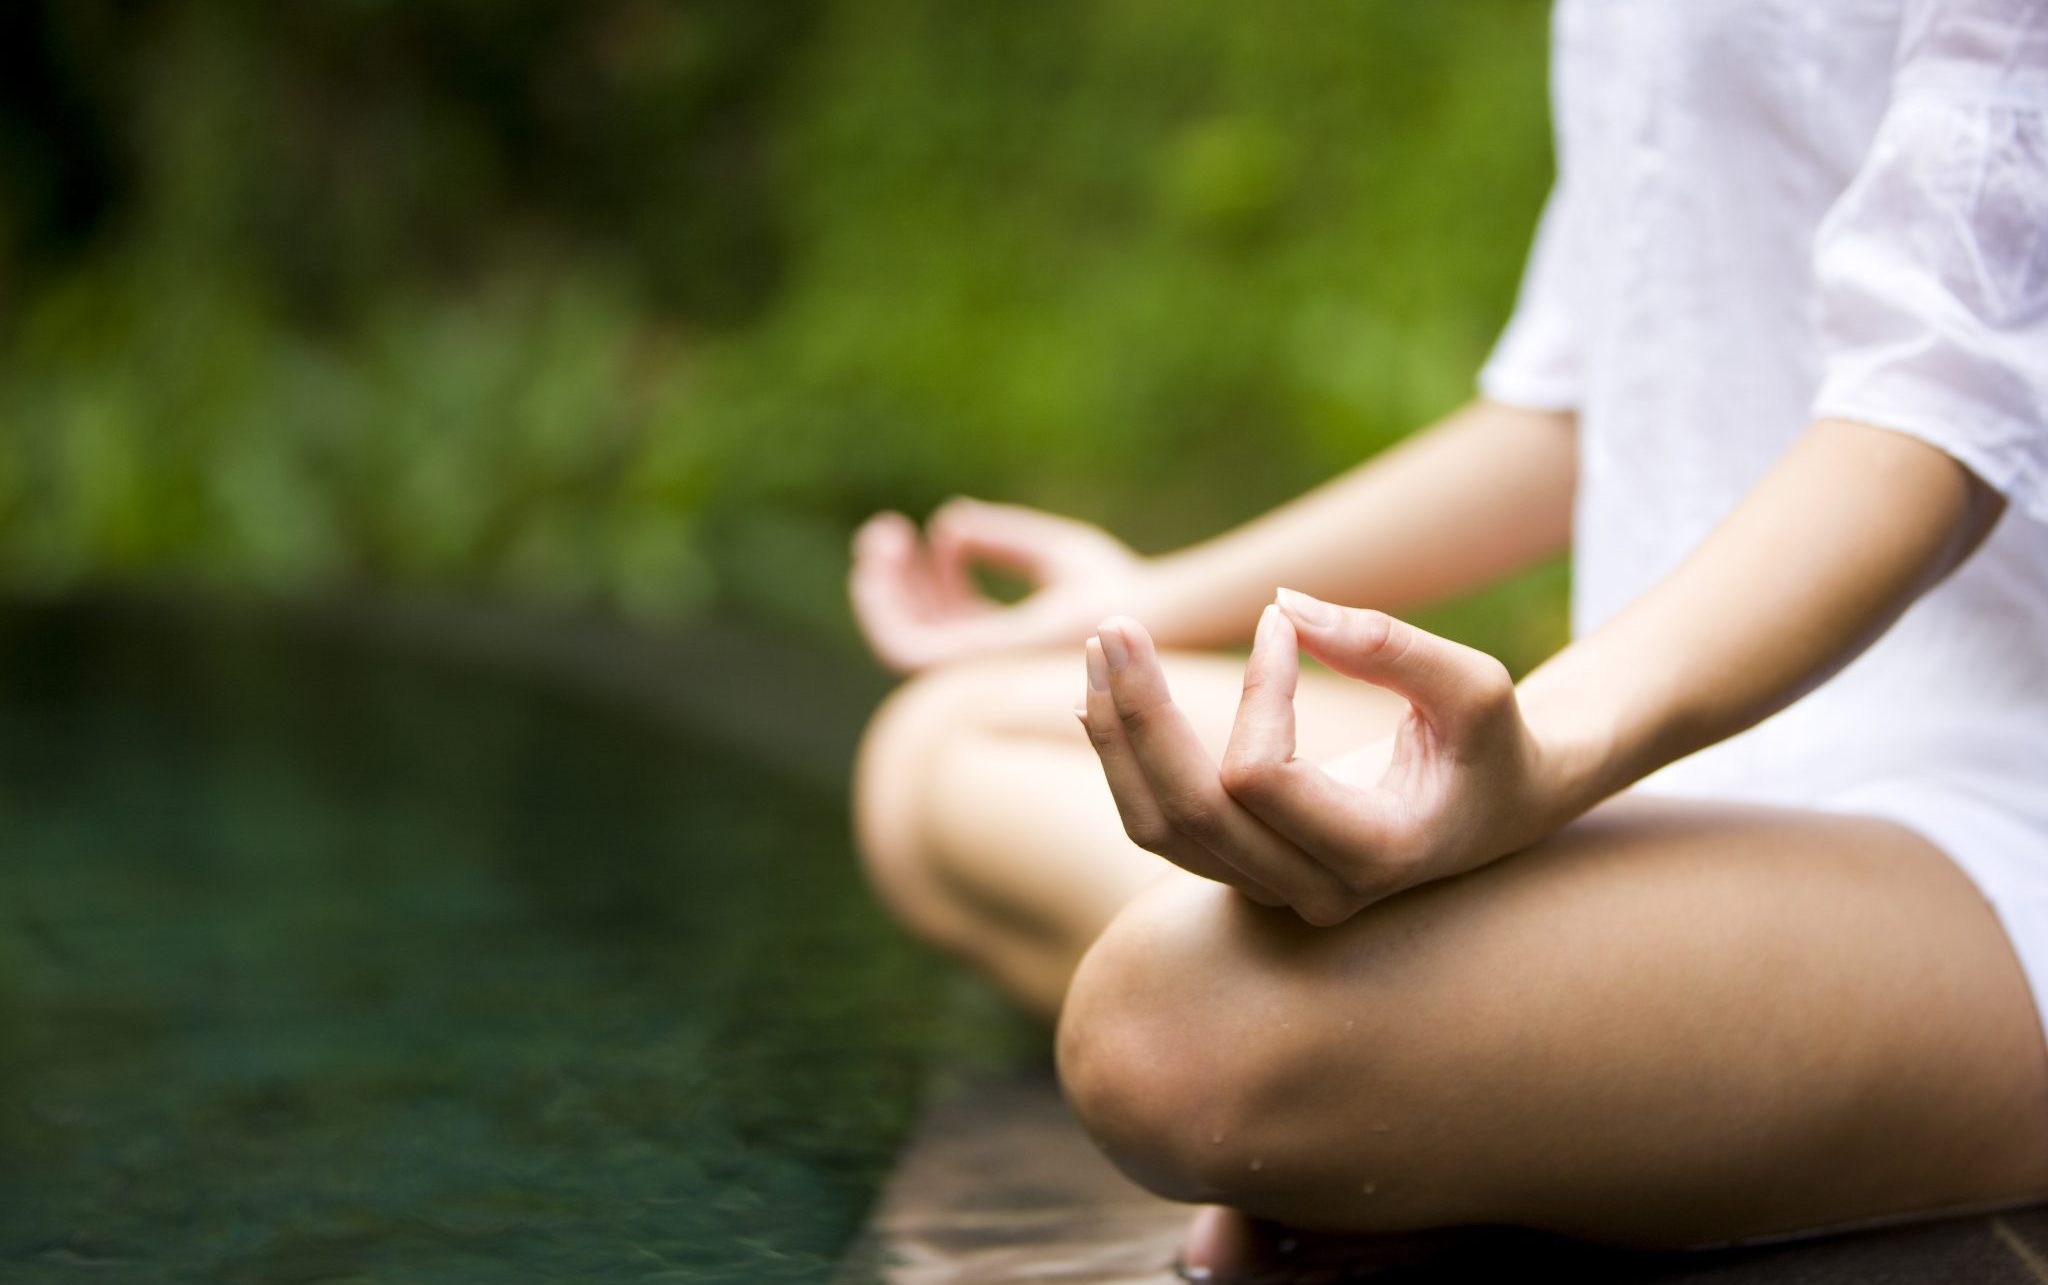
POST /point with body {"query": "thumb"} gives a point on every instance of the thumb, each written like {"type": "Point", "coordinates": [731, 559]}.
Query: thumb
{"type": "Point", "coordinates": [1448, 682]}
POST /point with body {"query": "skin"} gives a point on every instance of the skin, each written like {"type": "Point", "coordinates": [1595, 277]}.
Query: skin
{"type": "Point", "coordinates": [1652, 1023]}
{"type": "Point", "coordinates": [1479, 768]}
{"type": "Point", "coordinates": [1490, 488]}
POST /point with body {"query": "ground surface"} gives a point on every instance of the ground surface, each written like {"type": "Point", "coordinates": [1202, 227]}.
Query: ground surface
{"type": "Point", "coordinates": [1000, 1187]}
{"type": "Point", "coordinates": [373, 954]}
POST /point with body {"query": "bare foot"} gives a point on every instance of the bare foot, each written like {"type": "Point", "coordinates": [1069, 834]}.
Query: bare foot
{"type": "Point", "coordinates": [1225, 1247]}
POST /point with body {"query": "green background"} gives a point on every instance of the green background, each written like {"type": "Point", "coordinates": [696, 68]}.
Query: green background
{"type": "Point", "coordinates": [643, 306]}
{"type": "Point", "coordinates": [328, 959]}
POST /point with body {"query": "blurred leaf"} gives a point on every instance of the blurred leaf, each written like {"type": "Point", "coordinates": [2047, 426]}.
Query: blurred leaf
{"type": "Point", "coordinates": [648, 304]}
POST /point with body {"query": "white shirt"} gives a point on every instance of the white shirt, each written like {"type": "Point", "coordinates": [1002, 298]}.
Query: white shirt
{"type": "Point", "coordinates": [1767, 212]}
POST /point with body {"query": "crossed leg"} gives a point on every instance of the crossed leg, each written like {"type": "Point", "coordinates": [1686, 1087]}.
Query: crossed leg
{"type": "Point", "coordinates": [1668, 1025]}
{"type": "Point", "coordinates": [984, 821]}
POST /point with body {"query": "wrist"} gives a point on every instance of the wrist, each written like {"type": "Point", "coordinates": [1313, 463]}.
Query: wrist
{"type": "Point", "coordinates": [1148, 596]}
{"type": "Point", "coordinates": [1175, 597]}
{"type": "Point", "coordinates": [1581, 751]}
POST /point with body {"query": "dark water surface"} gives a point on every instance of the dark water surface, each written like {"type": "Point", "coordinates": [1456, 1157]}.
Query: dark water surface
{"type": "Point", "coordinates": [325, 964]}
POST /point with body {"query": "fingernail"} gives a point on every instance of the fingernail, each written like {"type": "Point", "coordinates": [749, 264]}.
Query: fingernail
{"type": "Point", "coordinates": [1098, 667]}
{"type": "Point", "coordinates": [1312, 611]}
{"type": "Point", "coordinates": [1114, 647]}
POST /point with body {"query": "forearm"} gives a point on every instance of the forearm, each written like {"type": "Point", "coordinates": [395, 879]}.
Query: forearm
{"type": "Point", "coordinates": [1477, 496]}
{"type": "Point", "coordinates": [1850, 527]}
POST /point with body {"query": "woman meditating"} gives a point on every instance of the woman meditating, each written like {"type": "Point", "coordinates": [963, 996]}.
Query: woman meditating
{"type": "Point", "coordinates": [1728, 921]}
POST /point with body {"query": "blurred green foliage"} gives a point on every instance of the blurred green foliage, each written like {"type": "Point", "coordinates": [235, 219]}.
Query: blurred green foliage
{"type": "Point", "coordinates": [645, 305]}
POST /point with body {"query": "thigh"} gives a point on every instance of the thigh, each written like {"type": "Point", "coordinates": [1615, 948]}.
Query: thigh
{"type": "Point", "coordinates": [1671, 1024]}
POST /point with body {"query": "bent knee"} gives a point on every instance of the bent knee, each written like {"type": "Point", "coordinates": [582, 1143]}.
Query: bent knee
{"type": "Point", "coordinates": [893, 775]}
{"type": "Point", "coordinates": [1191, 1055]}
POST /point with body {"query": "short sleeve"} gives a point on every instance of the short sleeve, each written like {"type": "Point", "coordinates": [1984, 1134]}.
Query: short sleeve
{"type": "Point", "coordinates": [1537, 361]}
{"type": "Point", "coordinates": [1932, 266]}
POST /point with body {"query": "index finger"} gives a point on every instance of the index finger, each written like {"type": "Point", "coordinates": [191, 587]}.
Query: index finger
{"type": "Point", "coordinates": [1186, 782]}
{"type": "Point", "coordinates": [1143, 819]}
{"type": "Point", "coordinates": [1343, 829]}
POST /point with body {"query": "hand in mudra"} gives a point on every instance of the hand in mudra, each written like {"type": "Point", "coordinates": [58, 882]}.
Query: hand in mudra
{"type": "Point", "coordinates": [1462, 781]}
{"type": "Point", "coordinates": [916, 601]}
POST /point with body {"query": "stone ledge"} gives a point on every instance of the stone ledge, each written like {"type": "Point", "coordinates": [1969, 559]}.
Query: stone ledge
{"type": "Point", "coordinates": [999, 1186]}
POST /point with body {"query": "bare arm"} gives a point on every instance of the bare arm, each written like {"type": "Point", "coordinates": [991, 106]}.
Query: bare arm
{"type": "Point", "coordinates": [1850, 527]}
{"type": "Point", "coordinates": [1480, 494]}
{"type": "Point", "coordinates": [1477, 496]}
